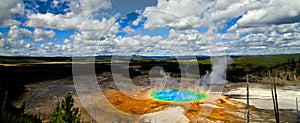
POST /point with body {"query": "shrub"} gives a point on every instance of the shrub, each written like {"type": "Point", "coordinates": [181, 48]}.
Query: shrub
{"type": "Point", "coordinates": [64, 112]}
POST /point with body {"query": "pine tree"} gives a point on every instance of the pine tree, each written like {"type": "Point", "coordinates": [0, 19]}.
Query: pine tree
{"type": "Point", "coordinates": [64, 111]}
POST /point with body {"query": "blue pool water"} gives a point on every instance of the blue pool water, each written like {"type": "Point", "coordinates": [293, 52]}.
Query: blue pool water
{"type": "Point", "coordinates": [177, 95]}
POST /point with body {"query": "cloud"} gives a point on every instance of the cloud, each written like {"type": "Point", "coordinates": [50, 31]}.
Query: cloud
{"type": "Point", "coordinates": [264, 27]}
{"type": "Point", "coordinates": [79, 18]}
{"type": "Point", "coordinates": [86, 7]}
{"type": "Point", "coordinates": [178, 43]}
{"type": "Point", "coordinates": [83, 36]}
{"type": "Point", "coordinates": [68, 21]}
{"type": "Point", "coordinates": [14, 47]}
{"type": "Point", "coordinates": [8, 9]}
{"type": "Point", "coordinates": [128, 30]}
{"type": "Point", "coordinates": [40, 34]}
{"type": "Point", "coordinates": [66, 41]}
{"type": "Point", "coordinates": [9, 23]}
{"type": "Point", "coordinates": [178, 14]}
{"type": "Point", "coordinates": [277, 12]}
{"type": "Point", "coordinates": [186, 14]}
{"type": "Point", "coordinates": [137, 21]}
{"type": "Point", "coordinates": [271, 29]}
{"type": "Point", "coordinates": [274, 39]}
{"type": "Point", "coordinates": [16, 32]}
{"type": "Point", "coordinates": [228, 9]}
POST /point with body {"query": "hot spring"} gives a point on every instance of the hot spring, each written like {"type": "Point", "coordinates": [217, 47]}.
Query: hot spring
{"type": "Point", "coordinates": [177, 95]}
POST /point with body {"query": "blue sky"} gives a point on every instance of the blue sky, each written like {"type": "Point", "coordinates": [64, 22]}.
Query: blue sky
{"type": "Point", "coordinates": [149, 27]}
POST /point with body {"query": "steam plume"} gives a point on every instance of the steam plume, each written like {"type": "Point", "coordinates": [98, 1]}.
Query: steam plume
{"type": "Point", "coordinates": [218, 73]}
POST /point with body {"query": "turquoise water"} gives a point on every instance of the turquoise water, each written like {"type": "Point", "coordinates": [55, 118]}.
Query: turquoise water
{"type": "Point", "coordinates": [177, 95]}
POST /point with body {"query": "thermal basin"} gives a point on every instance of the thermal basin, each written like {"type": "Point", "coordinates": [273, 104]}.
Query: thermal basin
{"type": "Point", "coordinates": [177, 95]}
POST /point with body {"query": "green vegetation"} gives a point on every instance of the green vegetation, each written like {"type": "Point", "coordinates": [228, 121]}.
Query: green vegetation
{"type": "Point", "coordinates": [268, 60]}
{"type": "Point", "coordinates": [64, 111]}
{"type": "Point", "coordinates": [10, 117]}
{"type": "Point", "coordinates": [15, 61]}
{"type": "Point", "coordinates": [241, 65]}
{"type": "Point", "coordinates": [281, 66]}
{"type": "Point", "coordinates": [263, 60]}
{"type": "Point", "coordinates": [284, 65]}
{"type": "Point", "coordinates": [10, 114]}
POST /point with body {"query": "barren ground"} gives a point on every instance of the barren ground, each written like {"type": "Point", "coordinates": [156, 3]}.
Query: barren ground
{"type": "Point", "coordinates": [41, 97]}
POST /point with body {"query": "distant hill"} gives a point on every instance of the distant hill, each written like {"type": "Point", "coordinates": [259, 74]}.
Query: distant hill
{"type": "Point", "coordinates": [285, 67]}
{"type": "Point", "coordinates": [266, 60]}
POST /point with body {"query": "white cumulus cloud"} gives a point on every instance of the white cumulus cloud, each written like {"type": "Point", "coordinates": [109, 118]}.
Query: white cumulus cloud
{"type": "Point", "coordinates": [8, 9]}
{"type": "Point", "coordinates": [179, 14]}
{"type": "Point", "coordinates": [277, 12]}
{"type": "Point", "coordinates": [40, 34]}
{"type": "Point", "coordinates": [16, 32]}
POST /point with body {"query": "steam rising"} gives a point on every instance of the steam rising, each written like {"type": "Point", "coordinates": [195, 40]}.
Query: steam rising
{"type": "Point", "coordinates": [160, 79]}
{"type": "Point", "coordinates": [218, 73]}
